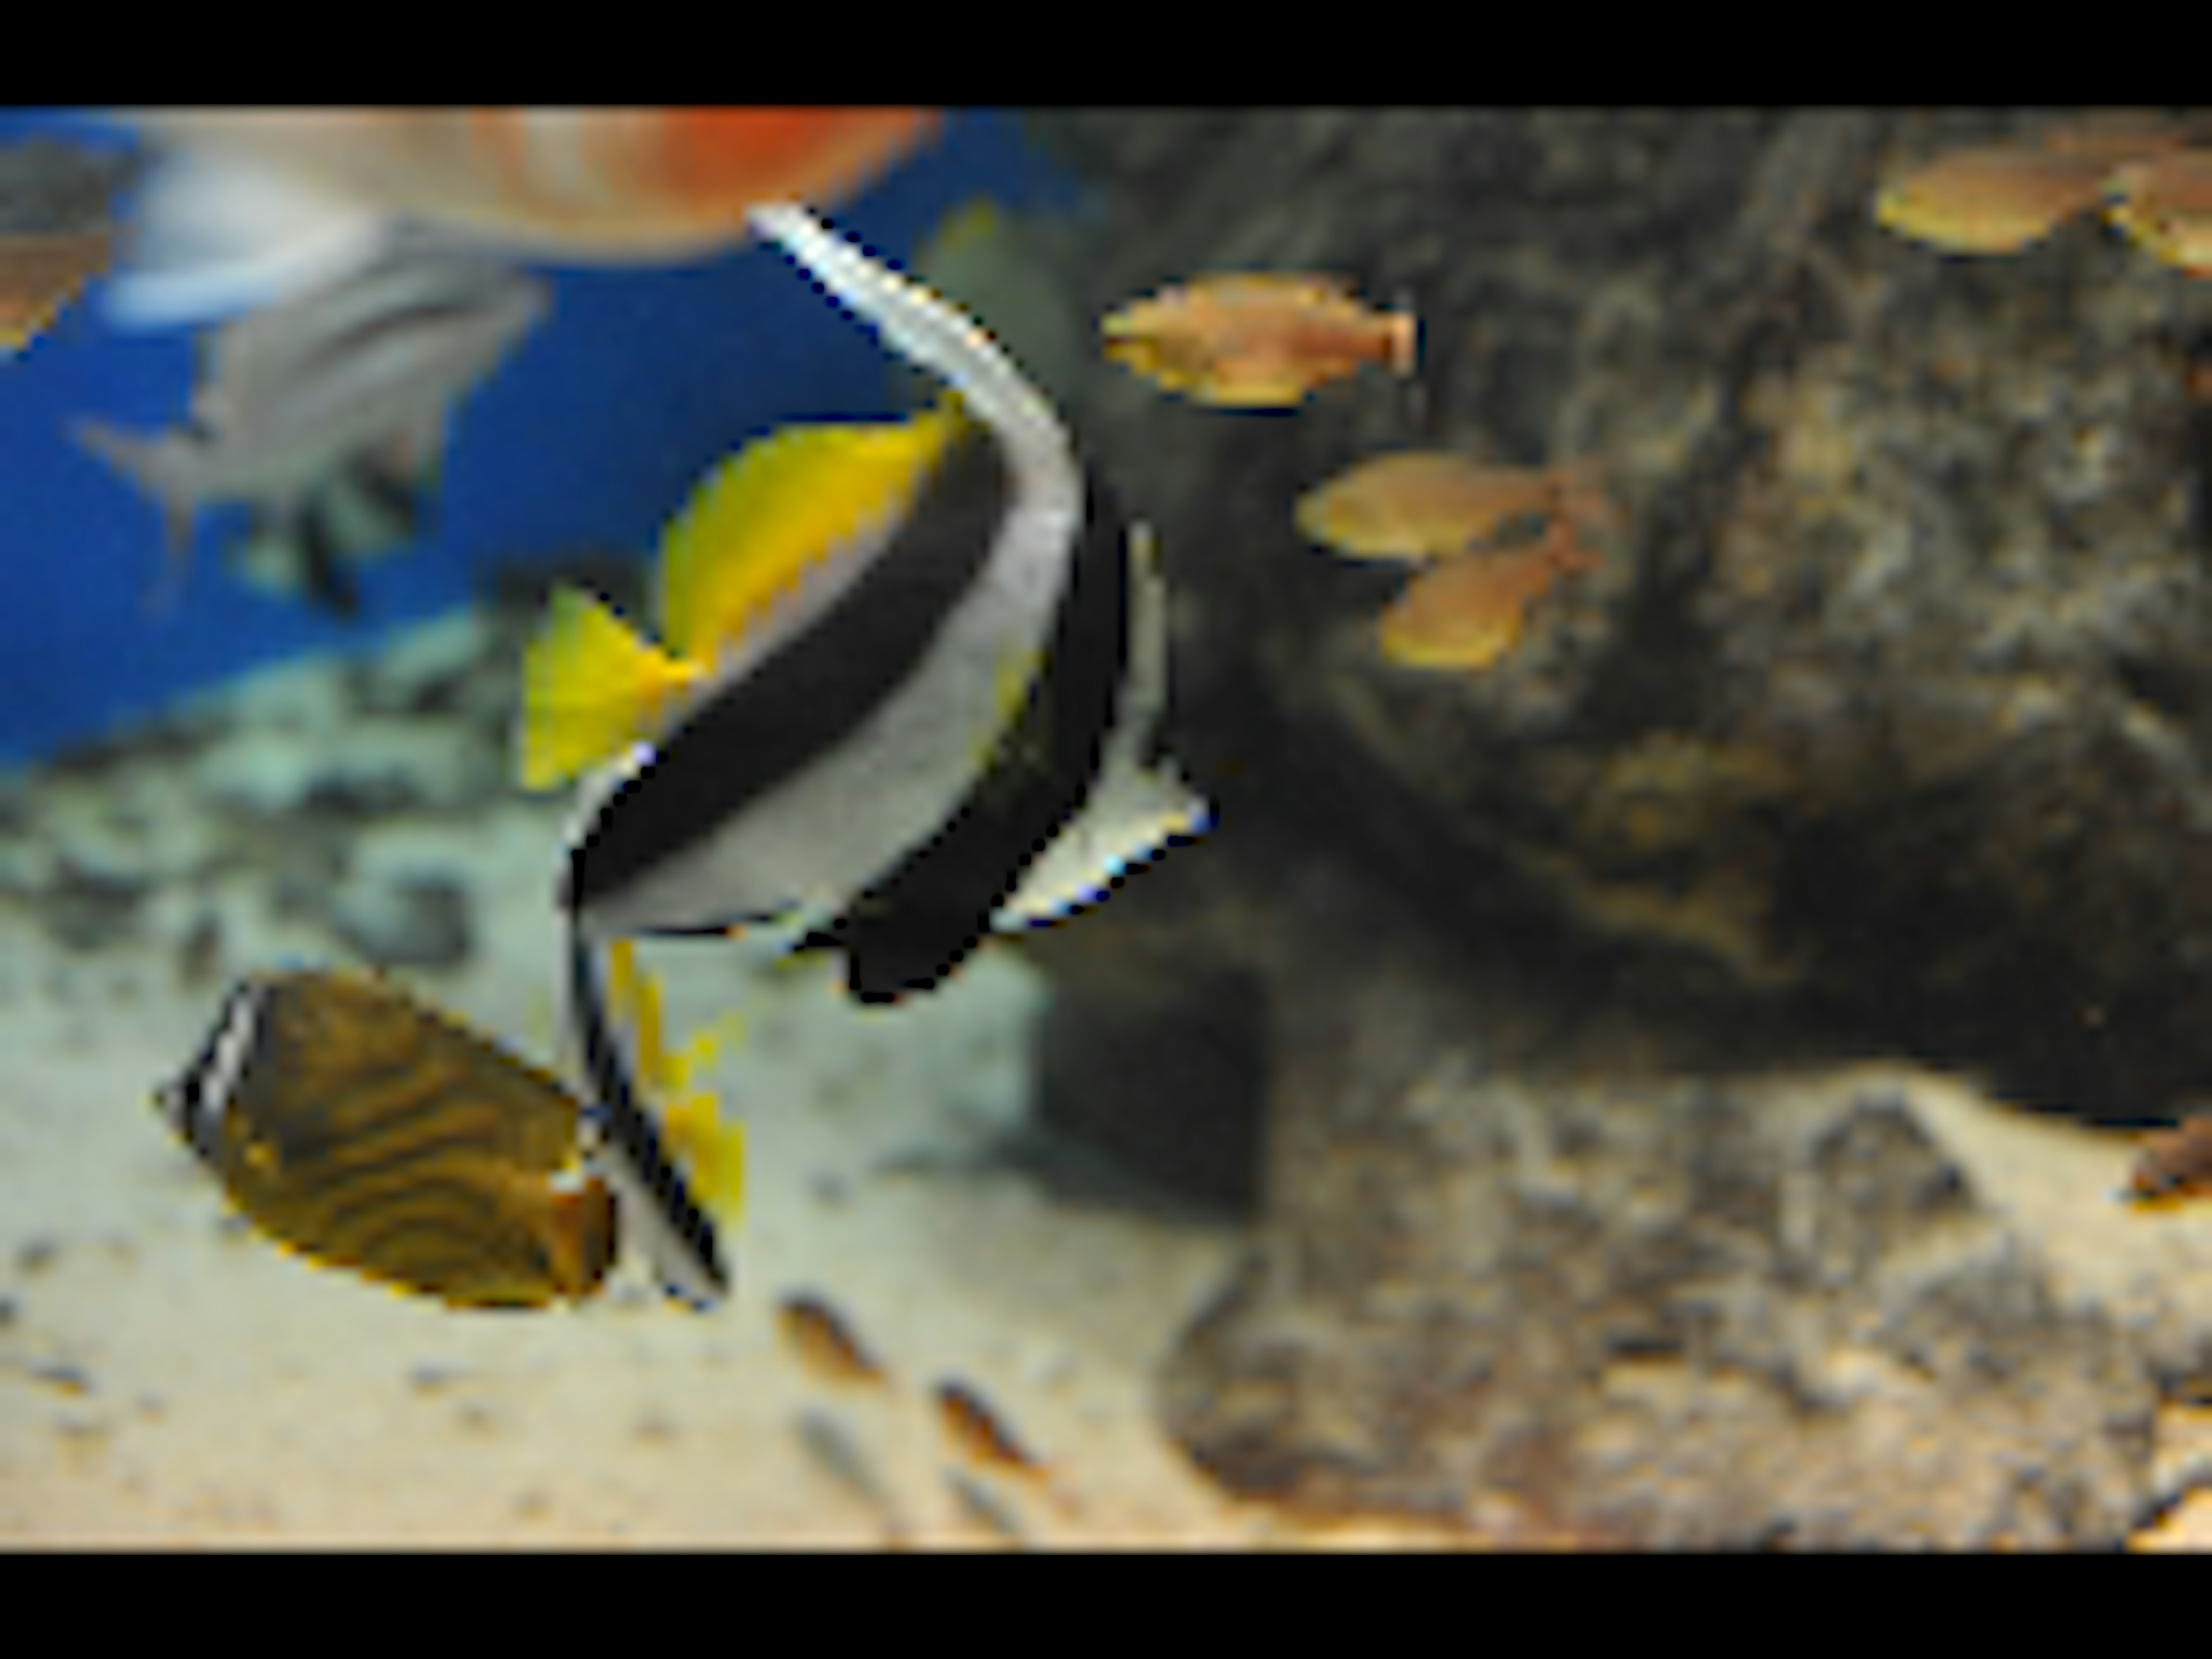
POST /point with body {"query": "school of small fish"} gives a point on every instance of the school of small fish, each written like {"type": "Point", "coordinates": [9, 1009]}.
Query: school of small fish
{"type": "Point", "coordinates": [2000, 199]}
{"type": "Point", "coordinates": [992, 1457]}
{"type": "Point", "coordinates": [1468, 526]}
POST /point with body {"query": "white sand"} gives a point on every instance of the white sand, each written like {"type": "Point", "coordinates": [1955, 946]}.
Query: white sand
{"type": "Point", "coordinates": [167, 1378]}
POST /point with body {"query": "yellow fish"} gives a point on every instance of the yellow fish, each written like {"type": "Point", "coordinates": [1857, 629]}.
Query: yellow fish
{"type": "Point", "coordinates": [1466, 613]}
{"type": "Point", "coordinates": [1256, 340]}
{"type": "Point", "coordinates": [1424, 504]}
{"type": "Point", "coordinates": [2165, 203]}
{"type": "Point", "coordinates": [364, 1129]}
{"type": "Point", "coordinates": [1993, 198]}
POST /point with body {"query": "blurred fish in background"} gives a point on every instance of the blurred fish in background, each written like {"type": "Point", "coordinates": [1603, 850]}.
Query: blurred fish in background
{"type": "Point", "coordinates": [664, 348]}
{"type": "Point", "coordinates": [326, 416]}
{"type": "Point", "coordinates": [57, 229]}
{"type": "Point", "coordinates": [244, 207]}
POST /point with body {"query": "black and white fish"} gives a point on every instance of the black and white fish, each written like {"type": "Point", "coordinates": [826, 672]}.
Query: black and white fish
{"type": "Point", "coordinates": [907, 682]}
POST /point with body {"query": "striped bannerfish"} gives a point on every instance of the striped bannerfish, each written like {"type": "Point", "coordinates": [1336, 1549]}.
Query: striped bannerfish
{"type": "Point", "coordinates": [907, 685]}
{"type": "Point", "coordinates": [364, 1129]}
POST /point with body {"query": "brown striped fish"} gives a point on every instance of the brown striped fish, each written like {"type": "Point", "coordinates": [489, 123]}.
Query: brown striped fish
{"type": "Point", "coordinates": [363, 1129]}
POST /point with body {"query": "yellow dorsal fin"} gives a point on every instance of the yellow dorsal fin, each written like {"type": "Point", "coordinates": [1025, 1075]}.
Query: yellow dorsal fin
{"type": "Point", "coordinates": [590, 687]}
{"type": "Point", "coordinates": [776, 510]}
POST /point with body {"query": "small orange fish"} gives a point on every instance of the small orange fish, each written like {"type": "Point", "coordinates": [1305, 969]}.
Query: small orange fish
{"type": "Point", "coordinates": [1256, 340]}
{"type": "Point", "coordinates": [2175, 1166]}
{"type": "Point", "coordinates": [2113, 138]}
{"type": "Point", "coordinates": [981, 1437]}
{"type": "Point", "coordinates": [1992, 199]}
{"type": "Point", "coordinates": [2165, 203]}
{"type": "Point", "coordinates": [40, 273]}
{"type": "Point", "coordinates": [56, 230]}
{"type": "Point", "coordinates": [1424, 504]}
{"type": "Point", "coordinates": [1466, 613]}
{"type": "Point", "coordinates": [824, 1342]}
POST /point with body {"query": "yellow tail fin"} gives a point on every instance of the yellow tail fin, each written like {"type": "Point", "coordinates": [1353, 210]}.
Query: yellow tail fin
{"type": "Point", "coordinates": [590, 687]}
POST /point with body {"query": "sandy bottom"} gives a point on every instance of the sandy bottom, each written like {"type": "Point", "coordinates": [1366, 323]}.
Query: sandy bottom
{"type": "Point", "coordinates": [166, 1377]}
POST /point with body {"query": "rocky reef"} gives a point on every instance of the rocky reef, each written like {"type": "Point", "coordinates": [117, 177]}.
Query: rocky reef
{"type": "Point", "coordinates": [1538, 1004]}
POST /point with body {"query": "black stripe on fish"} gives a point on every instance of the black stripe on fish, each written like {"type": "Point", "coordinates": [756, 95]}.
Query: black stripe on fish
{"type": "Point", "coordinates": [629, 1131]}
{"type": "Point", "coordinates": [910, 930]}
{"type": "Point", "coordinates": [324, 575]}
{"type": "Point", "coordinates": [806, 698]}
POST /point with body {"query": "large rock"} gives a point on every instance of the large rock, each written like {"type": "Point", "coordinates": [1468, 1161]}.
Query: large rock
{"type": "Point", "coordinates": [1891, 699]}
{"type": "Point", "coordinates": [1879, 736]}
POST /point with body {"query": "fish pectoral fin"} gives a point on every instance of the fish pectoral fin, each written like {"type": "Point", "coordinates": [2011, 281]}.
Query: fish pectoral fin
{"type": "Point", "coordinates": [591, 687]}
{"type": "Point", "coordinates": [1133, 815]}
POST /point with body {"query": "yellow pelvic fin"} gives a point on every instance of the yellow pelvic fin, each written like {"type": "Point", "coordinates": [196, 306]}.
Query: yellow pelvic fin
{"type": "Point", "coordinates": [709, 1147]}
{"type": "Point", "coordinates": [590, 687]}
{"type": "Point", "coordinates": [778, 508]}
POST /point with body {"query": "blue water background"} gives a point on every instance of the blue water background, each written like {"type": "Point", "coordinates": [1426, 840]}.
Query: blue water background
{"type": "Point", "coordinates": [585, 439]}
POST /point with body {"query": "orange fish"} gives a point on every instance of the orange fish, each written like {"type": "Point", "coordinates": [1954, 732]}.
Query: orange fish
{"type": "Point", "coordinates": [2113, 138]}
{"type": "Point", "coordinates": [824, 1342]}
{"type": "Point", "coordinates": [2165, 203]}
{"type": "Point", "coordinates": [247, 206]}
{"type": "Point", "coordinates": [1257, 340]}
{"type": "Point", "coordinates": [56, 231]}
{"type": "Point", "coordinates": [40, 273]}
{"type": "Point", "coordinates": [1424, 504]}
{"type": "Point", "coordinates": [1466, 613]}
{"type": "Point", "coordinates": [2175, 1166]}
{"type": "Point", "coordinates": [1991, 198]}
{"type": "Point", "coordinates": [977, 1430]}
